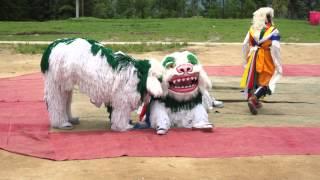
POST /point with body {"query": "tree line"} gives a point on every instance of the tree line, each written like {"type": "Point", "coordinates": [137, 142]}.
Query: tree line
{"type": "Point", "coordinates": [63, 9]}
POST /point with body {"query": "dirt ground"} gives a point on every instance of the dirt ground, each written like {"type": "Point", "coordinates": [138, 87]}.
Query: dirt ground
{"type": "Point", "coordinates": [13, 64]}
{"type": "Point", "coordinates": [296, 103]}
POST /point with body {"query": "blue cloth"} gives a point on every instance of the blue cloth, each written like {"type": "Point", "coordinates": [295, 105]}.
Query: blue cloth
{"type": "Point", "coordinates": [275, 38]}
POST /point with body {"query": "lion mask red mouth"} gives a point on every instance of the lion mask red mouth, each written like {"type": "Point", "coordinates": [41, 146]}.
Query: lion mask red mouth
{"type": "Point", "coordinates": [184, 83]}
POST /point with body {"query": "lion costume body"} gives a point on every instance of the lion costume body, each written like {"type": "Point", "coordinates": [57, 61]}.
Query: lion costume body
{"type": "Point", "coordinates": [114, 79]}
{"type": "Point", "coordinates": [184, 84]}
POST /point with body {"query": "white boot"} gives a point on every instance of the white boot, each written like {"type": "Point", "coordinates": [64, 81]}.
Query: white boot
{"type": "Point", "coordinates": [162, 131]}
{"type": "Point", "coordinates": [218, 104]}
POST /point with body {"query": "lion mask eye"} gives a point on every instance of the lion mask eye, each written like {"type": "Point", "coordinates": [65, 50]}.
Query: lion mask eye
{"type": "Point", "coordinates": [169, 66]}
{"type": "Point", "coordinates": [192, 59]}
{"type": "Point", "coordinates": [169, 62]}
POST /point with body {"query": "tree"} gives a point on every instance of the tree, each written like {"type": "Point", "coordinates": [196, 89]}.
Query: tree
{"type": "Point", "coordinates": [262, 3]}
{"type": "Point", "coordinates": [39, 10]}
{"type": "Point", "coordinates": [103, 9]}
{"type": "Point", "coordinates": [297, 9]}
{"type": "Point", "coordinates": [142, 8]}
{"type": "Point", "coordinates": [124, 8]}
{"type": "Point", "coordinates": [247, 8]}
{"type": "Point", "coordinates": [10, 10]}
{"type": "Point", "coordinates": [60, 9]}
{"type": "Point", "coordinates": [213, 8]}
{"type": "Point", "coordinates": [168, 8]}
{"type": "Point", "coordinates": [232, 9]}
{"type": "Point", "coordinates": [280, 8]}
{"type": "Point", "coordinates": [194, 7]}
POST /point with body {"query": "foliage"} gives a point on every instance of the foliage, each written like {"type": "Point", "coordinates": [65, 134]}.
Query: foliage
{"type": "Point", "coordinates": [62, 9]}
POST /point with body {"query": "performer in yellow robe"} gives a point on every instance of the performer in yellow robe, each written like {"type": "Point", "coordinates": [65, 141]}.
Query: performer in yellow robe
{"type": "Point", "coordinates": [261, 54]}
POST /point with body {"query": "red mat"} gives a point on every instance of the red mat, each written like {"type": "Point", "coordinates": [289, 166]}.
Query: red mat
{"type": "Point", "coordinates": [288, 70]}
{"type": "Point", "coordinates": [24, 129]}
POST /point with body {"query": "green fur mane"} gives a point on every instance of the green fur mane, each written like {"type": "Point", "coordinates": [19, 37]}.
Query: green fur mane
{"type": "Point", "coordinates": [45, 57]}
{"type": "Point", "coordinates": [176, 106]}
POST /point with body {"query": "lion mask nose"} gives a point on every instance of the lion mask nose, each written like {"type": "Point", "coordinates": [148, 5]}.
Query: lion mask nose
{"type": "Point", "coordinates": [184, 68]}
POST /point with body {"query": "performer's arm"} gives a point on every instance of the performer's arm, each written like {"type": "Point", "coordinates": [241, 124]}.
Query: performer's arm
{"type": "Point", "coordinates": [275, 51]}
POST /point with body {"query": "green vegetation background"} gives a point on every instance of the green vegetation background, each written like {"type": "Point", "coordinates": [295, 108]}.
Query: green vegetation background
{"type": "Point", "coordinates": [173, 30]}
{"type": "Point", "coordinates": [145, 30]}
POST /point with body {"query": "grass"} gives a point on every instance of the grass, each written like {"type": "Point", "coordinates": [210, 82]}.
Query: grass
{"type": "Point", "coordinates": [174, 30]}
{"type": "Point", "coordinates": [130, 48]}
{"type": "Point", "coordinates": [28, 49]}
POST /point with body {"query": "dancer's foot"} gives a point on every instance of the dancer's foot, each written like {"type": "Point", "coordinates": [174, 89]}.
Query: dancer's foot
{"type": "Point", "coordinates": [252, 104]}
{"type": "Point", "coordinates": [218, 104]}
{"type": "Point", "coordinates": [208, 127]}
{"type": "Point", "coordinates": [66, 126]}
{"type": "Point", "coordinates": [74, 120]}
{"type": "Point", "coordinates": [161, 131]}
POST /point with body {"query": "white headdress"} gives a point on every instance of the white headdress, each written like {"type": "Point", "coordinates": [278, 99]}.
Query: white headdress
{"type": "Point", "coordinates": [261, 16]}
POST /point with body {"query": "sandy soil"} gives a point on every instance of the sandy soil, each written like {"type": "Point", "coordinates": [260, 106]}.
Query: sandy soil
{"type": "Point", "coordinates": [302, 92]}
{"type": "Point", "coordinates": [263, 167]}
{"type": "Point", "coordinates": [13, 64]}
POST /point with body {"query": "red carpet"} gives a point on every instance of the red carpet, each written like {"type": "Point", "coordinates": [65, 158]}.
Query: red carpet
{"type": "Point", "coordinates": [24, 129]}
{"type": "Point", "coordinates": [288, 70]}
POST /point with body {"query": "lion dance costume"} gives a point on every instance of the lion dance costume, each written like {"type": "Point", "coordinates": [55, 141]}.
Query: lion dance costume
{"type": "Point", "coordinates": [185, 99]}
{"type": "Point", "coordinates": [114, 79]}
{"type": "Point", "coordinates": [261, 50]}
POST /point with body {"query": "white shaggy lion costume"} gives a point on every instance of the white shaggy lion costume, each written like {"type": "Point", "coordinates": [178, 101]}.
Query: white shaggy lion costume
{"type": "Point", "coordinates": [114, 79]}
{"type": "Point", "coordinates": [185, 85]}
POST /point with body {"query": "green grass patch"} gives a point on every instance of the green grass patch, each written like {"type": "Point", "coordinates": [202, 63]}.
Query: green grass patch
{"type": "Point", "coordinates": [130, 48]}
{"type": "Point", "coordinates": [173, 30]}
{"type": "Point", "coordinates": [140, 48]}
{"type": "Point", "coordinates": [29, 49]}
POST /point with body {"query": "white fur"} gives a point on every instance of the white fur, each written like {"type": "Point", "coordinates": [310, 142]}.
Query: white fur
{"type": "Point", "coordinates": [163, 118]}
{"type": "Point", "coordinates": [74, 64]}
{"type": "Point", "coordinates": [153, 84]}
{"type": "Point", "coordinates": [259, 17]}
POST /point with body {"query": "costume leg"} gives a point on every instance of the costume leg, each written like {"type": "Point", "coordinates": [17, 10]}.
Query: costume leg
{"type": "Point", "coordinates": [262, 91]}
{"type": "Point", "coordinates": [252, 104]}
{"type": "Point", "coordinates": [159, 118]}
{"type": "Point", "coordinates": [72, 120]}
{"type": "Point", "coordinates": [120, 118]}
{"type": "Point", "coordinates": [263, 79]}
{"type": "Point", "coordinates": [200, 119]}
{"type": "Point", "coordinates": [253, 101]}
{"type": "Point", "coordinates": [209, 101]}
{"type": "Point", "coordinates": [218, 104]}
{"type": "Point", "coordinates": [57, 106]}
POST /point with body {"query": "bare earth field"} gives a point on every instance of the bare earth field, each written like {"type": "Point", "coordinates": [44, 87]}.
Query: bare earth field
{"type": "Point", "coordinates": [295, 104]}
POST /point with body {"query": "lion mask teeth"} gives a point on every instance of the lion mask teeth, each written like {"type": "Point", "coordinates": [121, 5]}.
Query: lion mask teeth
{"type": "Point", "coordinates": [184, 83]}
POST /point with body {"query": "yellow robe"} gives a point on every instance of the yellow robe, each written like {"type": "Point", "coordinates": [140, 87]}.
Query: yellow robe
{"type": "Point", "coordinates": [260, 59]}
